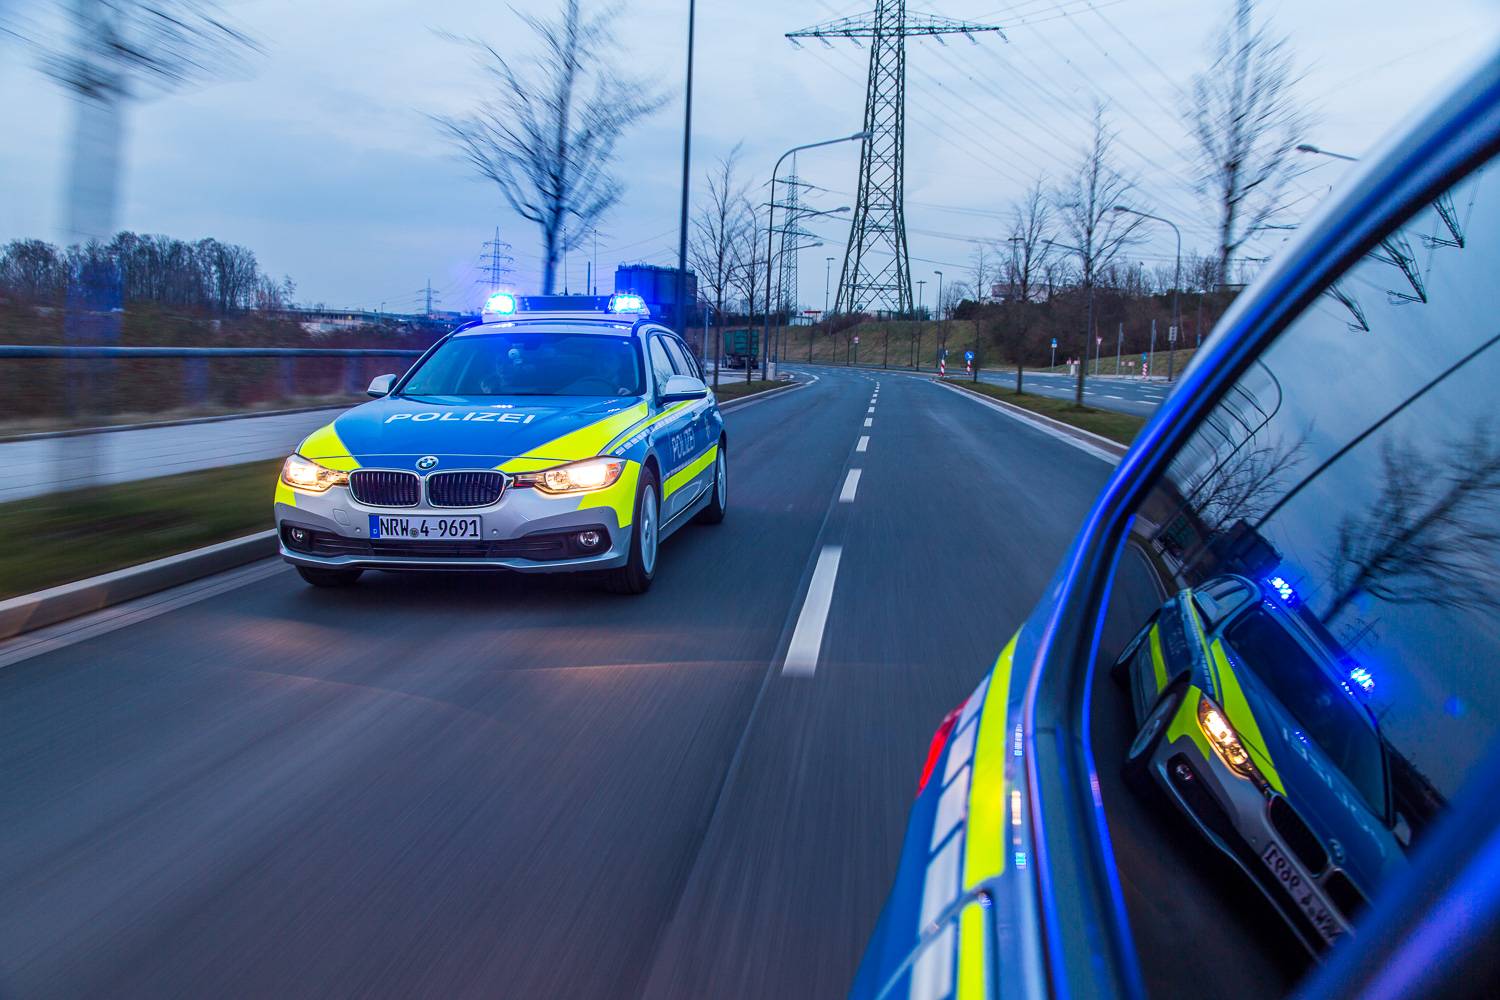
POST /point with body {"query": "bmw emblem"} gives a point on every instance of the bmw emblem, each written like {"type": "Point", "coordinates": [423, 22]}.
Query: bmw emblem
{"type": "Point", "coordinates": [427, 462]}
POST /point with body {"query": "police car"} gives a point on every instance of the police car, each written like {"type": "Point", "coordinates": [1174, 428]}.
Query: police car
{"type": "Point", "coordinates": [1256, 727]}
{"type": "Point", "coordinates": [555, 434]}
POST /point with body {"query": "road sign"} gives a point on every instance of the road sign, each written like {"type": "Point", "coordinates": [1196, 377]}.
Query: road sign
{"type": "Point", "coordinates": [1171, 334]}
{"type": "Point", "coordinates": [968, 355]}
{"type": "Point", "coordinates": [856, 340]}
{"type": "Point", "coordinates": [1054, 343]}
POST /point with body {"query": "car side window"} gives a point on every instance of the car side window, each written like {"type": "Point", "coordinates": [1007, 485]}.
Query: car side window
{"type": "Point", "coordinates": [1349, 482]}
{"type": "Point", "coordinates": [682, 358]}
{"type": "Point", "coordinates": [661, 361]}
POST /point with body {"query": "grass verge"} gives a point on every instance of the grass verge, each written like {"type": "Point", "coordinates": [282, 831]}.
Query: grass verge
{"type": "Point", "coordinates": [69, 536]}
{"type": "Point", "coordinates": [730, 389]}
{"type": "Point", "coordinates": [1121, 427]}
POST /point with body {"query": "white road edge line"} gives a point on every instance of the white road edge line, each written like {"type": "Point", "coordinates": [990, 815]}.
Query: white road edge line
{"type": "Point", "coordinates": [851, 486]}
{"type": "Point", "coordinates": [807, 638]}
{"type": "Point", "coordinates": [864, 443]}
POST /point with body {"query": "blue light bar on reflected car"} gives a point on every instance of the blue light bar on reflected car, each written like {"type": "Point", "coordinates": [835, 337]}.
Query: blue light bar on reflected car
{"type": "Point", "coordinates": [628, 302]}
{"type": "Point", "coordinates": [500, 304]}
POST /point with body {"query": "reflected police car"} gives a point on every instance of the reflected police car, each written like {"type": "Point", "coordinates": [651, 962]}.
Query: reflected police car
{"type": "Point", "coordinates": [557, 433]}
{"type": "Point", "coordinates": [1256, 727]}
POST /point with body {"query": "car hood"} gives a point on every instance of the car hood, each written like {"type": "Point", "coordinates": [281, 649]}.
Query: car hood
{"type": "Point", "coordinates": [1323, 795]}
{"type": "Point", "coordinates": [395, 431]}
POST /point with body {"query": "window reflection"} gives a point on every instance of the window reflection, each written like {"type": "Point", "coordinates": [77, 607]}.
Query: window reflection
{"type": "Point", "coordinates": [1304, 622]}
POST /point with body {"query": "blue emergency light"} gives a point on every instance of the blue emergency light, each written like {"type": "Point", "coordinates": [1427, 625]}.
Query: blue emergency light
{"type": "Point", "coordinates": [628, 302]}
{"type": "Point", "coordinates": [501, 303]}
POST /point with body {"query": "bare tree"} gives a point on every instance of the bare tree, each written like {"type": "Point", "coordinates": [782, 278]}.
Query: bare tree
{"type": "Point", "coordinates": [1430, 536]}
{"type": "Point", "coordinates": [748, 270]}
{"type": "Point", "coordinates": [1086, 207]}
{"type": "Point", "coordinates": [1025, 265]}
{"type": "Point", "coordinates": [719, 228]}
{"type": "Point", "coordinates": [1244, 119]}
{"type": "Point", "coordinates": [547, 137]}
{"type": "Point", "coordinates": [118, 51]}
{"type": "Point", "coordinates": [1243, 485]}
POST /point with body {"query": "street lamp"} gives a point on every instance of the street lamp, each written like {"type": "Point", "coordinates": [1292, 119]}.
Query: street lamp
{"type": "Point", "coordinates": [917, 347]}
{"type": "Point", "coordinates": [1176, 284]}
{"type": "Point", "coordinates": [1308, 147]}
{"type": "Point", "coordinates": [680, 285]}
{"type": "Point", "coordinates": [771, 228]}
{"type": "Point", "coordinates": [941, 339]}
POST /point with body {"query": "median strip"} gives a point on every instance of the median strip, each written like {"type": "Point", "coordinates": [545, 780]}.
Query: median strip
{"type": "Point", "coordinates": [1118, 427]}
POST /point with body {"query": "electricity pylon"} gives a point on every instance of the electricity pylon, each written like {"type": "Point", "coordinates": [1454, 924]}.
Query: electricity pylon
{"type": "Point", "coordinates": [877, 271]}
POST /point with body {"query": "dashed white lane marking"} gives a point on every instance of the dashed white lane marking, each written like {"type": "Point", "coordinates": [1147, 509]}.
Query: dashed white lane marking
{"type": "Point", "coordinates": [869, 421]}
{"type": "Point", "coordinates": [864, 443]}
{"type": "Point", "coordinates": [870, 410]}
{"type": "Point", "coordinates": [851, 486]}
{"type": "Point", "coordinates": [807, 638]}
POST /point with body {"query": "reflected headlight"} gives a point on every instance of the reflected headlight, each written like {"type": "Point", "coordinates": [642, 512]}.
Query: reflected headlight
{"type": "Point", "coordinates": [576, 477]}
{"type": "Point", "coordinates": [1226, 742]}
{"type": "Point", "coordinates": [305, 474]}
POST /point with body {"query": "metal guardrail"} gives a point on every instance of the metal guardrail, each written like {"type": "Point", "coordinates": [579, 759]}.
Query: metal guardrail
{"type": "Point", "coordinates": [38, 351]}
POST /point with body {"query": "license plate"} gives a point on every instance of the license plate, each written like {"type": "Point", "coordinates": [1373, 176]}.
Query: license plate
{"type": "Point", "coordinates": [1301, 892]}
{"type": "Point", "coordinates": [425, 529]}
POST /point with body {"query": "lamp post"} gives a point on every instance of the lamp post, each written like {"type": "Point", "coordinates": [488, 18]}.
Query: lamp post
{"type": "Point", "coordinates": [1308, 147]}
{"type": "Point", "coordinates": [941, 339]}
{"type": "Point", "coordinates": [771, 229]}
{"type": "Point", "coordinates": [917, 345]}
{"type": "Point", "coordinates": [1176, 330]}
{"type": "Point", "coordinates": [680, 286]}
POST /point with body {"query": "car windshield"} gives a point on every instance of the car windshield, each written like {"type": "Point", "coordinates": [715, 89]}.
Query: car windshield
{"type": "Point", "coordinates": [1327, 716]}
{"type": "Point", "coordinates": [518, 363]}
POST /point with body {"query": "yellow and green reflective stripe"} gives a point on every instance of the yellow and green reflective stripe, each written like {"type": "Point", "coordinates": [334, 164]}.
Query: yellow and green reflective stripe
{"type": "Point", "coordinates": [620, 497]}
{"type": "Point", "coordinates": [1237, 707]}
{"type": "Point", "coordinates": [684, 475]}
{"type": "Point", "coordinates": [642, 424]}
{"type": "Point", "coordinates": [585, 442]}
{"type": "Point", "coordinates": [325, 447]}
{"type": "Point", "coordinates": [1185, 722]}
{"type": "Point", "coordinates": [284, 493]}
{"type": "Point", "coordinates": [983, 855]}
{"type": "Point", "coordinates": [973, 954]}
{"type": "Point", "coordinates": [1158, 661]}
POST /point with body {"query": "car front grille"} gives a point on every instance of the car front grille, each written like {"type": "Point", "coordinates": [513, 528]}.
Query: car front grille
{"type": "Point", "coordinates": [378, 488]}
{"type": "Point", "coordinates": [464, 489]}
{"type": "Point", "coordinates": [1298, 836]}
{"type": "Point", "coordinates": [553, 545]}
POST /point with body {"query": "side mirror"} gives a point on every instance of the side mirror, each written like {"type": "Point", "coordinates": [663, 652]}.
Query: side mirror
{"type": "Point", "coordinates": [380, 385]}
{"type": "Point", "coordinates": [680, 387]}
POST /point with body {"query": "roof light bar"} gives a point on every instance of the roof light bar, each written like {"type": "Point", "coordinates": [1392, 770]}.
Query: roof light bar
{"type": "Point", "coordinates": [500, 304]}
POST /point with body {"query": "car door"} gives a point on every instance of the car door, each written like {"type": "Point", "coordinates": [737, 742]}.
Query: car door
{"type": "Point", "coordinates": [673, 434]}
{"type": "Point", "coordinates": [1336, 444]}
{"type": "Point", "coordinates": [697, 472]}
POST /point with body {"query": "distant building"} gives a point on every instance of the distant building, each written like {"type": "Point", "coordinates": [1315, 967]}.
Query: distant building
{"type": "Point", "coordinates": [658, 286]}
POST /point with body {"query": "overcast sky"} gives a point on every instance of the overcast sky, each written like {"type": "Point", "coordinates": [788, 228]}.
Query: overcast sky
{"type": "Point", "coordinates": [322, 159]}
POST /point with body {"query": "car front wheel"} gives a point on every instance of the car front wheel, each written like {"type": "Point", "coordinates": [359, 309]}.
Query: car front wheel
{"type": "Point", "coordinates": [640, 568]}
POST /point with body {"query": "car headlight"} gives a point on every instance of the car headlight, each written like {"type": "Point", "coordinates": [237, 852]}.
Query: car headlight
{"type": "Point", "coordinates": [305, 474]}
{"type": "Point", "coordinates": [576, 477]}
{"type": "Point", "coordinates": [1226, 742]}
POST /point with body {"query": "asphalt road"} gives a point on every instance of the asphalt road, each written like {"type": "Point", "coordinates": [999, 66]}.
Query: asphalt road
{"type": "Point", "coordinates": [521, 786]}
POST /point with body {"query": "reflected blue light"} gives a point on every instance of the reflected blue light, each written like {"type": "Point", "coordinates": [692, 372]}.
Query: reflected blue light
{"type": "Point", "coordinates": [502, 303]}
{"type": "Point", "coordinates": [1362, 677]}
{"type": "Point", "coordinates": [1020, 859]}
{"type": "Point", "coordinates": [1283, 589]}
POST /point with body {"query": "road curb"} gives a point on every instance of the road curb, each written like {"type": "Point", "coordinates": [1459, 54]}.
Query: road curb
{"type": "Point", "coordinates": [182, 422]}
{"type": "Point", "coordinates": [1084, 439]}
{"type": "Point", "coordinates": [731, 404]}
{"type": "Point", "coordinates": [48, 607]}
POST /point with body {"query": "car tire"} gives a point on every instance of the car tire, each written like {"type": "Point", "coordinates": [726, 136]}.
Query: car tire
{"type": "Point", "coordinates": [320, 577]}
{"type": "Point", "coordinates": [1137, 765]}
{"type": "Point", "coordinates": [718, 502]}
{"type": "Point", "coordinates": [640, 566]}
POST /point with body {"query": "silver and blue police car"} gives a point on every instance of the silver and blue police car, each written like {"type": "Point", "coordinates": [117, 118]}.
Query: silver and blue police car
{"type": "Point", "coordinates": [1256, 727]}
{"type": "Point", "coordinates": [555, 434]}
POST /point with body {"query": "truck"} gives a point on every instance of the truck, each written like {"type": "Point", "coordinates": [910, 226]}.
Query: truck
{"type": "Point", "coordinates": [741, 348]}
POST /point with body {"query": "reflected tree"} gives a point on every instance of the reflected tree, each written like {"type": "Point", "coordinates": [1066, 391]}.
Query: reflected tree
{"type": "Point", "coordinates": [1430, 536]}
{"type": "Point", "coordinates": [1243, 486]}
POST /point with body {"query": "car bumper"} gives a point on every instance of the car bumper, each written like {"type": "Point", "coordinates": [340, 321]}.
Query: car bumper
{"type": "Point", "coordinates": [1235, 816]}
{"type": "Point", "coordinates": [526, 531]}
